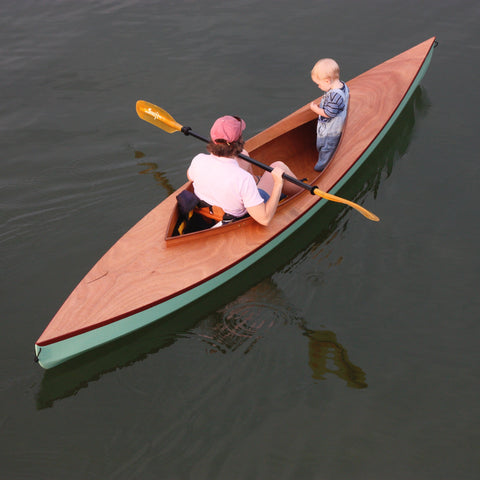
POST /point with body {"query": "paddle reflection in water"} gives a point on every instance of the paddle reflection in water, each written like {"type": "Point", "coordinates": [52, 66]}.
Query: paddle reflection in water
{"type": "Point", "coordinates": [160, 177]}
{"type": "Point", "coordinates": [323, 350]}
{"type": "Point", "coordinates": [67, 379]}
{"type": "Point", "coordinates": [152, 168]}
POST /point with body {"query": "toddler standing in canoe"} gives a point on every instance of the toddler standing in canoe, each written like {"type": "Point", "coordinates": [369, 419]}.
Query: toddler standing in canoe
{"type": "Point", "coordinates": [331, 111]}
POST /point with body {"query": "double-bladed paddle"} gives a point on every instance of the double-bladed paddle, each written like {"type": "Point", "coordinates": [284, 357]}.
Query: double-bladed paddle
{"type": "Point", "coordinates": [162, 119]}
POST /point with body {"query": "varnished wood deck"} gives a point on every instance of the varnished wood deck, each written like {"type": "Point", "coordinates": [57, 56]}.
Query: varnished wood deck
{"type": "Point", "coordinates": [143, 269]}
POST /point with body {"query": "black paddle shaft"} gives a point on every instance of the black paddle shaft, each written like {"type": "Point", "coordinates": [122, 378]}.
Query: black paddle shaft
{"type": "Point", "coordinates": [188, 131]}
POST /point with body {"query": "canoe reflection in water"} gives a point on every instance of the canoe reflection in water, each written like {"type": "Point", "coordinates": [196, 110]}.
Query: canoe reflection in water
{"type": "Point", "coordinates": [243, 323]}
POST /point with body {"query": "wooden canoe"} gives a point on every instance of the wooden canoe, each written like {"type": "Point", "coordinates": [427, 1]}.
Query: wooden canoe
{"type": "Point", "coordinates": [148, 273]}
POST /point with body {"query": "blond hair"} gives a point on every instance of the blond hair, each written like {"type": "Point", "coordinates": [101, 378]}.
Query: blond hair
{"type": "Point", "coordinates": [326, 68]}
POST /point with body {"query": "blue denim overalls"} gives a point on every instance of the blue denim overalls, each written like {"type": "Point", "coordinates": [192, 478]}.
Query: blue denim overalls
{"type": "Point", "coordinates": [329, 130]}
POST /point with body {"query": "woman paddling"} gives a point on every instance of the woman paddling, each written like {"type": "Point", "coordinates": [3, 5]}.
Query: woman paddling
{"type": "Point", "coordinates": [222, 179]}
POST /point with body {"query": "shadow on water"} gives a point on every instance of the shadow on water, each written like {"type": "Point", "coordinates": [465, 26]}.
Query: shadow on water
{"type": "Point", "coordinates": [67, 379]}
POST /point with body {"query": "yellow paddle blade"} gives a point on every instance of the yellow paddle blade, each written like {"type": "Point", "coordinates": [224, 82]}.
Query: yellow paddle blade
{"type": "Point", "coordinates": [157, 116]}
{"type": "Point", "coordinates": [333, 198]}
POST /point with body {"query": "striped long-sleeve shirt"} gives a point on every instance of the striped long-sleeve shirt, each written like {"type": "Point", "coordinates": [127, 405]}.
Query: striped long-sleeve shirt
{"type": "Point", "coordinates": [333, 103]}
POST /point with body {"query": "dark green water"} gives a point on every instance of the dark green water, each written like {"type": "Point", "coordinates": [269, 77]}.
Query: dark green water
{"type": "Point", "coordinates": [352, 353]}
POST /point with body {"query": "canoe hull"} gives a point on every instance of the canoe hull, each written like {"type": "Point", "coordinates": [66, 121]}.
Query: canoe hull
{"type": "Point", "coordinates": [57, 345]}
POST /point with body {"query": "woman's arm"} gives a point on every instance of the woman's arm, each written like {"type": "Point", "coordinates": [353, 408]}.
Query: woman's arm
{"type": "Point", "coordinates": [264, 212]}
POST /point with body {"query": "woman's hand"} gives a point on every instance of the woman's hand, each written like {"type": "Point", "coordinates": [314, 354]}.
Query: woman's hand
{"type": "Point", "coordinates": [277, 174]}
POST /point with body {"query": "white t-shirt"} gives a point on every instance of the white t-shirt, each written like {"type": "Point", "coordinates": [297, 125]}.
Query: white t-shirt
{"type": "Point", "coordinates": [222, 182]}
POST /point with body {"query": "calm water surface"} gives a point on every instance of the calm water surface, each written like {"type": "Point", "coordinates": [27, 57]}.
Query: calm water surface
{"type": "Point", "coordinates": [352, 353]}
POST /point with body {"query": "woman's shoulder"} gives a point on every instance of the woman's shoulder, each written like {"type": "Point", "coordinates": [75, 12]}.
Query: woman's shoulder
{"type": "Point", "coordinates": [201, 156]}
{"type": "Point", "coordinates": [202, 160]}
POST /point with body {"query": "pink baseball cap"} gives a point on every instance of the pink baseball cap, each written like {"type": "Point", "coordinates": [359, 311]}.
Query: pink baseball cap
{"type": "Point", "coordinates": [227, 128]}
